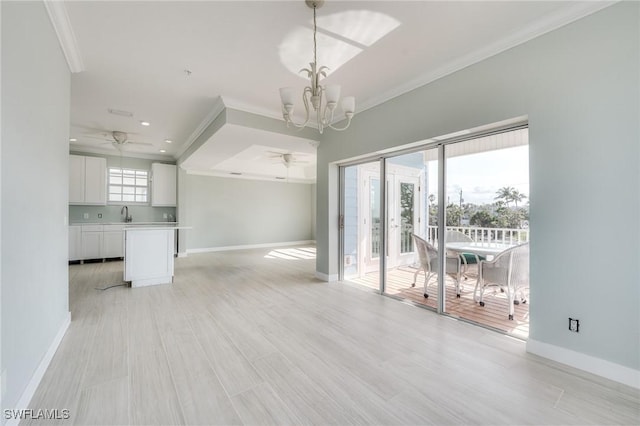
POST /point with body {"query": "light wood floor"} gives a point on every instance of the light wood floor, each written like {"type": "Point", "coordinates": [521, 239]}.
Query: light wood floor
{"type": "Point", "coordinates": [249, 337]}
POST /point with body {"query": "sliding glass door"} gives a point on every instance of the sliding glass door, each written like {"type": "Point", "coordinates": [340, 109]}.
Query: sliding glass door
{"type": "Point", "coordinates": [419, 226]}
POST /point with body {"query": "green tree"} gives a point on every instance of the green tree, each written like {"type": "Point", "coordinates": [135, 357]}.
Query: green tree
{"type": "Point", "coordinates": [433, 210]}
{"type": "Point", "coordinates": [407, 198]}
{"type": "Point", "coordinates": [517, 196]}
{"type": "Point", "coordinates": [483, 219]}
{"type": "Point", "coordinates": [454, 214]}
{"type": "Point", "coordinates": [505, 194]}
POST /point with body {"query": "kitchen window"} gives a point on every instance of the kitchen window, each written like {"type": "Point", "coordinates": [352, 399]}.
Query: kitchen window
{"type": "Point", "coordinates": [128, 185]}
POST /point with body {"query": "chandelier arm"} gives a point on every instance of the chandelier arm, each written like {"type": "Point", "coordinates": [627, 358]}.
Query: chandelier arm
{"type": "Point", "coordinates": [342, 128]}
{"type": "Point", "coordinates": [319, 119]}
{"type": "Point", "coordinates": [306, 107]}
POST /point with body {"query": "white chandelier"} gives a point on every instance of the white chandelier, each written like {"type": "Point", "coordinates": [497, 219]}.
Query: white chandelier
{"type": "Point", "coordinates": [323, 99]}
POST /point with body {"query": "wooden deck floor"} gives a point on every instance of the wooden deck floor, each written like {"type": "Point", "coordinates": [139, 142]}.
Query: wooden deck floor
{"type": "Point", "coordinates": [494, 314]}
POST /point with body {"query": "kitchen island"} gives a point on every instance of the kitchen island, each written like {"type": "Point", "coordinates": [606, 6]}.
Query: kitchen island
{"type": "Point", "coordinates": [149, 254]}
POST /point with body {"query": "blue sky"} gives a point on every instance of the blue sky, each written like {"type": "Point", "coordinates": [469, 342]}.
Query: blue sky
{"type": "Point", "coordinates": [481, 175]}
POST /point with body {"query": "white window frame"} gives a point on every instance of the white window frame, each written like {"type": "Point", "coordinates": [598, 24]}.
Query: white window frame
{"type": "Point", "coordinates": [138, 189]}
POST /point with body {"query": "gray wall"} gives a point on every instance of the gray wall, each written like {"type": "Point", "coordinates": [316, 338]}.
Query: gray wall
{"type": "Point", "coordinates": [34, 168]}
{"type": "Point", "coordinates": [579, 86]}
{"type": "Point", "coordinates": [314, 197]}
{"type": "Point", "coordinates": [111, 213]}
{"type": "Point", "coordinates": [231, 212]}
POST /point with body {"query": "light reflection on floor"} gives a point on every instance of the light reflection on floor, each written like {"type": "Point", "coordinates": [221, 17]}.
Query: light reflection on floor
{"type": "Point", "coordinates": [297, 253]}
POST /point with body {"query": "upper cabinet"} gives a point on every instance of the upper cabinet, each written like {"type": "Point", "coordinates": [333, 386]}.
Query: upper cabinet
{"type": "Point", "coordinates": [163, 185]}
{"type": "Point", "coordinates": [76, 179]}
{"type": "Point", "coordinates": [87, 180]}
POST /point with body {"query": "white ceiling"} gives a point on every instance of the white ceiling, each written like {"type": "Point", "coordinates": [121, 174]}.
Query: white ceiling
{"type": "Point", "coordinates": [135, 55]}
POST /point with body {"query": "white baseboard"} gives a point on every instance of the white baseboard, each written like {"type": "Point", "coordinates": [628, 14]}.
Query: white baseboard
{"type": "Point", "coordinates": [616, 372]}
{"type": "Point", "coordinates": [328, 278]}
{"type": "Point", "coordinates": [30, 390]}
{"type": "Point", "coordinates": [249, 246]}
{"type": "Point", "coordinates": [182, 254]}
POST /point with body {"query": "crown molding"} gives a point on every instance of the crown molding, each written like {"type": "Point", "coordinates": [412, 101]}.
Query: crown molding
{"type": "Point", "coordinates": [243, 106]}
{"type": "Point", "coordinates": [247, 176]}
{"type": "Point", "coordinates": [62, 25]}
{"type": "Point", "coordinates": [265, 112]}
{"type": "Point", "coordinates": [213, 114]}
{"type": "Point", "coordinates": [92, 150]}
{"type": "Point", "coordinates": [535, 29]}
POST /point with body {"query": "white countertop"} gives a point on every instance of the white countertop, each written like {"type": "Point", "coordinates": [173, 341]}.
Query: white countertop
{"type": "Point", "coordinates": [153, 227]}
{"type": "Point", "coordinates": [124, 223]}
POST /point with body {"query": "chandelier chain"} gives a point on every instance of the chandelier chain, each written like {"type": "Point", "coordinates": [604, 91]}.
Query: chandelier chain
{"type": "Point", "coordinates": [315, 60]}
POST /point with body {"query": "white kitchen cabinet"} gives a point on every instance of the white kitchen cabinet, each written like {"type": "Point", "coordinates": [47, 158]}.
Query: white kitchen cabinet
{"type": "Point", "coordinates": [163, 185]}
{"type": "Point", "coordinates": [95, 180]}
{"type": "Point", "coordinates": [75, 242]}
{"type": "Point", "coordinates": [113, 241]}
{"type": "Point", "coordinates": [76, 179]}
{"type": "Point", "coordinates": [149, 256]}
{"type": "Point", "coordinates": [96, 241]}
{"type": "Point", "coordinates": [87, 180]}
{"type": "Point", "coordinates": [92, 236]}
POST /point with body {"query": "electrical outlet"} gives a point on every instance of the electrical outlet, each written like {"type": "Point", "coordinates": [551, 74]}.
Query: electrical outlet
{"type": "Point", "coordinates": [574, 325]}
{"type": "Point", "coordinates": [164, 216]}
{"type": "Point", "coordinates": [85, 215]}
{"type": "Point", "coordinates": [99, 215]}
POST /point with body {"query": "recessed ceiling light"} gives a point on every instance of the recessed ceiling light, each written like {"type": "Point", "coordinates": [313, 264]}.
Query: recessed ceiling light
{"type": "Point", "coordinates": [163, 150]}
{"type": "Point", "coordinates": [168, 140]}
{"type": "Point", "coordinates": [145, 123]}
{"type": "Point", "coordinates": [73, 140]}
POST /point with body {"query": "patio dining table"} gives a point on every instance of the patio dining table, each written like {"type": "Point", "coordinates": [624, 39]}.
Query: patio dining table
{"type": "Point", "coordinates": [480, 249]}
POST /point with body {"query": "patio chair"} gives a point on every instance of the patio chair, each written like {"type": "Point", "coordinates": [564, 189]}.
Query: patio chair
{"type": "Point", "coordinates": [428, 257]}
{"type": "Point", "coordinates": [510, 272]}
{"type": "Point", "coordinates": [466, 258]}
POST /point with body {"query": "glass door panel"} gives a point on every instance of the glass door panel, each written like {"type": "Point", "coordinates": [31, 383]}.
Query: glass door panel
{"type": "Point", "coordinates": [487, 187]}
{"type": "Point", "coordinates": [361, 224]}
{"type": "Point", "coordinates": [408, 214]}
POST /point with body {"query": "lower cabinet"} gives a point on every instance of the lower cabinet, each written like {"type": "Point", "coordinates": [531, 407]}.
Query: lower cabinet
{"type": "Point", "coordinates": [91, 242]}
{"type": "Point", "coordinates": [96, 241]}
{"type": "Point", "coordinates": [113, 241]}
{"type": "Point", "coordinates": [75, 242]}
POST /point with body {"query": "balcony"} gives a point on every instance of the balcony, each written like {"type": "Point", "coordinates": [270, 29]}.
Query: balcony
{"type": "Point", "coordinates": [495, 312]}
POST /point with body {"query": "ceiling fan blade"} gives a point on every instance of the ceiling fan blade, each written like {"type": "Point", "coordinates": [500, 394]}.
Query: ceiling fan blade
{"type": "Point", "coordinates": [99, 137]}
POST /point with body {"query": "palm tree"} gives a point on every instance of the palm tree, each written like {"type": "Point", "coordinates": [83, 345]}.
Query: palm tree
{"type": "Point", "coordinates": [505, 193]}
{"type": "Point", "coordinates": [517, 196]}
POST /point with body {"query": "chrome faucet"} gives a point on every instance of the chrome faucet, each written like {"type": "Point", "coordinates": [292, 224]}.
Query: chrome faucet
{"type": "Point", "coordinates": [125, 210]}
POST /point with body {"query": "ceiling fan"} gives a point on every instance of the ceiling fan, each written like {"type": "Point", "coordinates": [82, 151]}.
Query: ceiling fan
{"type": "Point", "coordinates": [117, 138]}
{"type": "Point", "coordinates": [287, 158]}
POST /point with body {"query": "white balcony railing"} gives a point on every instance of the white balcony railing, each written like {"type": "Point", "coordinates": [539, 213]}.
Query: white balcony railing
{"type": "Point", "coordinates": [485, 235]}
